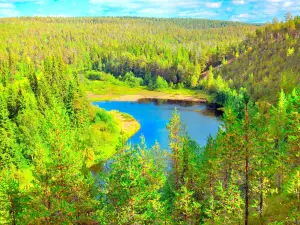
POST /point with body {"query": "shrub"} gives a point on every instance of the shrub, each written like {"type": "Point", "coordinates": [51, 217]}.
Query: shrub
{"type": "Point", "coordinates": [93, 75]}
{"type": "Point", "coordinates": [160, 83]}
{"type": "Point", "coordinates": [131, 80]}
{"type": "Point", "coordinates": [180, 86]}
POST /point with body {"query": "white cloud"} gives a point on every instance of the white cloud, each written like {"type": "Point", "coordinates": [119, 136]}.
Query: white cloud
{"type": "Point", "coordinates": [7, 5]}
{"type": "Point", "coordinates": [161, 8]}
{"type": "Point", "coordinates": [276, 1]}
{"type": "Point", "coordinates": [51, 15]}
{"type": "Point", "coordinates": [147, 3]}
{"type": "Point", "coordinates": [58, 15]}
{"type": "Point", "coordinates": [244, 15]}
{"type": "Point", "coordinates": [271, 10]}
{"type": "Point", "coordinates": [9, 12]}
{"type": "Point", "coordinates": [153, 11]}
{"type": "Point", "coordinates": [241, 17]}
{"type": "Point", "coordinates": [18, 1]}
{"type": "Point", "coordinates": [12, 2]}
{"type": "Point", "coordinates": [287, 4]}
{"type": "Point", "coordinates": [197, 14]}
{"type": "Point", "coordinates": [238, 2]}
{"type": "Point", "coordinates": [213, 4]}
{"type": "Point", "coordinates": [247, 10]}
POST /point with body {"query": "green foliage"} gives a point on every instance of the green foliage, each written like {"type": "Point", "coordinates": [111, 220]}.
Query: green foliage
{"type": "Point", "coordinates": [5, 206]}
{"type": "Point", "coordinates": [131, 80]}
{"type": "Point", "coordinates": [187, 210]}
{"type": "Point", "coordinates": [180, 86]}
{"type": "Point", "coordinates": [49, 139]}
{"type": "Point", "coordinates": [143, 46]}
{"type": "Point", "coordinates": [51, 136]}
{"type": "Point", "coordinates": [132, 187]}
{"type": "Point", "coordinates": [293, 189]}
{"type": "Point", "coordinates": [271, 57]}
{"type": "Point", "coordinates": [105, 121]}
{"type": "Point", "coordinates": [227, 205]}
{"type": "Point", "coordinates": [93, 75]}
{"type": "Point", "coordinates": [8, 143]}
{"type": "Point", "coordinates": [160, 83]}
{"type": "Point", "coordinates": [261, 131]}
{"type": "Point", "coordinates": [290, 52]}
{"type": "Point", "coordinates": [60, 185]}
{"type": "Point", "coordinates": [176, 142]}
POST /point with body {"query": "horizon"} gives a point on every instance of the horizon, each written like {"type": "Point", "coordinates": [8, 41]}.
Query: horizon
{"type": "Point", "coordinates": [246, 11]}
{"type": "Point", "coordinates": [133, 17]}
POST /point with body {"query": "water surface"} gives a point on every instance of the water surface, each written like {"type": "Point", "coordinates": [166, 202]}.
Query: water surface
{"type": "Point", "coordinates": [153, 115]}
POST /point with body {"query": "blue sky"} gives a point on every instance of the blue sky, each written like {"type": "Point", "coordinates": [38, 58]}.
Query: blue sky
{"type": "Point", "coordinates": [256, 11]}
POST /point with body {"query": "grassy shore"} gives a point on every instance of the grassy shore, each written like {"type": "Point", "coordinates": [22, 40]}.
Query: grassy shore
{"type": "Point", "coordinates": [104, 91]}
{"type": "Point", "coordinates": [117, 127]}
{"type": "Point", "coordinates": [129, 125]}
{"type": "Point", "coordinates": [110, 127]}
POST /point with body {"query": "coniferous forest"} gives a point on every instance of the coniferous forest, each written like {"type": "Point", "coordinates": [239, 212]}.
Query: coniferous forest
{"type": "Point", "coordinates": [65, 161]}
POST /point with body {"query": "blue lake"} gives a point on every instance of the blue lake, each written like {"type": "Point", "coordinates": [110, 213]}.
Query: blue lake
{"type": "Point", "coordinates": [153, 115]}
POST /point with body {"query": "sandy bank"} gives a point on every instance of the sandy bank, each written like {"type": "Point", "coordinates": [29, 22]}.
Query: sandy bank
{"type": "Point", "coordinates": [154, 95]}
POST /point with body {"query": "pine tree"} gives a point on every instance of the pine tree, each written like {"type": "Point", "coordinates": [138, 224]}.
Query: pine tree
{"type": "Point", "coordinates": [226, 207]}
{"type": "Point", "coordinates": [293, 189]}
{"type": "Point", "coordinates": [187, 210]}
{"type": "Point", "coordinates": [229, 144]}
{"type": "Point", "coordinates": [210, 79]}
{"type": "Point", "coordinates": [279, 123]}
{"type": "Point", "coordinates": [210, 168]}
{"type": "Point", "coordinates": [176, 141]}
{"type": "Point", "coordinates": [247, 156]}
{"type": "Point", "coordinates": [5, 205]}
{"type": "Point", "coordinates": [63, 194]}
{"type": "Point", "coordinates": [293, 131]}
{"type": "Point", "coordinates": [7, 141]}
{"type": "Point", "coordinates": [132, 187]}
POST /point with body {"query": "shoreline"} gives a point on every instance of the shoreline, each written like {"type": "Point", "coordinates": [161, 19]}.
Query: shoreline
{"type": "Point", "coordinates": [129, 125]}
{"type": "Point", "coordinates": [138, 97]}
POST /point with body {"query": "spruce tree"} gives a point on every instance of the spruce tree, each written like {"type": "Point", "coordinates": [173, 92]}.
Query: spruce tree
{"type": "Point", "coordinates": [176, 141]}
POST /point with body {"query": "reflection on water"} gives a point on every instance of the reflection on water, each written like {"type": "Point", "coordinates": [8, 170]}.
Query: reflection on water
{"type": "Point", "coordinates": [154, 114]}
{"type": "Point", "coordinates": [210, 112]}
{"type": "Point", "coordinates": [158, 101]}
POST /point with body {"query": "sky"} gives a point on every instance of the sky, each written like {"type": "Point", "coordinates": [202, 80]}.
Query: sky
{"type": "Point", "coordinates": [252, 11]}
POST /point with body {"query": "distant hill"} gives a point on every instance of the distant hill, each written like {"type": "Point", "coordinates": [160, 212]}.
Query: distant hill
{"type": "Point", "coordinates": [192, 23]}
{"type": "Point", "coordinates": [176, 49]}
{"type": "Point", "coordinates": [267, 61]}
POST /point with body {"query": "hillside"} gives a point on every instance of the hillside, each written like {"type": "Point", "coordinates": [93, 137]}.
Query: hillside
{"type": "Point", "coordinates": [268, 61]}
{"type": "Point", "coordinates": [176, 49]}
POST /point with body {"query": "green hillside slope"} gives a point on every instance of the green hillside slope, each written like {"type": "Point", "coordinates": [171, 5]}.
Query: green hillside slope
{"type": "Point", "coordinates": [268, 61]}
{"type": "Point", "coordinates": [176, 49]}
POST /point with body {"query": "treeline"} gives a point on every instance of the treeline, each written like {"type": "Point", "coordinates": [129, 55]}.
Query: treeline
{"type": "Point", "coordinates": [181, 22]}
{"type": "Point", "coordinates": [268, 60]}
{"type": "Point", "coordinates": [180, 51]}
{"type": "Point", "coordinates": [169, 48]}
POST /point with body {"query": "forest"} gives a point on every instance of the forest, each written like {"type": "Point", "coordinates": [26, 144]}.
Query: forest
{"type": "Point", "coordinates": [269, 61]}
{"type": "Point", "coordinates": [51, 136]}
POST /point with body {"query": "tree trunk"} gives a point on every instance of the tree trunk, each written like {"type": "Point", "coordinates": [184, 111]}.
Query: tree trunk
{"type": "Point", "coordinates": [247, 166]}
{"type": "Point", "coordinates": [261, 200]}
{"type": "Point", "coordinates": [247, 190]}
{"type": "Point", "coordinates": [177, 167]}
